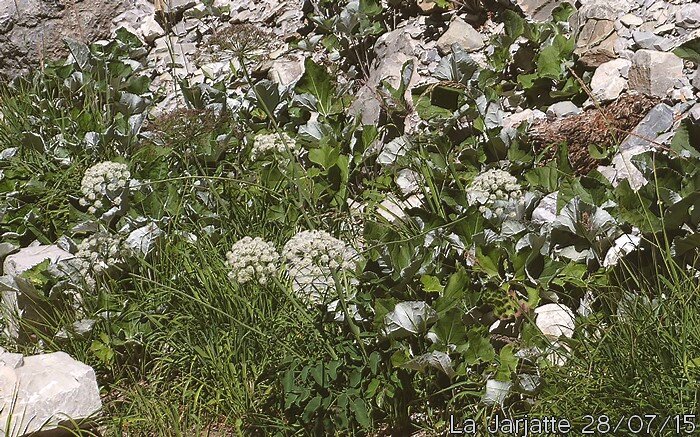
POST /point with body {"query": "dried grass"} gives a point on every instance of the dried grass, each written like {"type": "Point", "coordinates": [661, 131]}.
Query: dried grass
{"type": "Point", "coordinates": [604, 127]}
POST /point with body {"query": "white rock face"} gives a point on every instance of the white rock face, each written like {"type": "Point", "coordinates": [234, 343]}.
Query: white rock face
{"type": "Point", "coordinates": [654, 72]}
{"type": "Point", "coordinates": [29, 257]}
{"type": "Point", "coordinates": [610, 79]}
{"type": "Point", "coordinates": [49, 389]}
{"type": "Point", "coordinates": [462, 33]}
{"type": "Point", "coordinates": [287, 70]}
{"type": "Point", "coordinates": [555, 320]}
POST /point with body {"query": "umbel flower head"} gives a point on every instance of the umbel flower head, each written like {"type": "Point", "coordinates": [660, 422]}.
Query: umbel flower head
{"type": "Point", "coordinates": [103, 185]}
{"type": "Point", "coordinates": [312, 258]}
{"type": "Point", "coordinates": [266, 144]}
{"type": "Point", "coordinates": [99, 254]}
{"type": "Point", "coordinates": [252, 259]}
{"type": "Point", "coordinates": [496, 191]}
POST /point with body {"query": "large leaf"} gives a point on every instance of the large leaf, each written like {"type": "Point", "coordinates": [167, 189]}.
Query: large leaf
{"type": "Point", "coordinates": [436, 359]}
{"type": "Point", "coordinates": [317, 82]}
{"type": "Point", "coordinates": [408, 318]}
{"type": "Point", "coordinates": [80, 52]}
{"type": "Point", "coordinates": [457, 66]}
{"type": "Point", "coordinates": [689, 51]}
{"type": "Point", "coordinates": [450, 329]}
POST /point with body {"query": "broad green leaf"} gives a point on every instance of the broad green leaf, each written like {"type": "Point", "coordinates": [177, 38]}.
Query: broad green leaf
{"type": "Point", "coordinates": [549, 62]}
{"type": "Point", "coordinates": [514, 24]}
{"type": "Point", "coordinates": [479, 349]}
{"type": "Point", "coordinates": [317, 82]}
{"type": "Point", "coordinates": [450, 328]}
{"type": "Point", "coordinates": [361, 413]}
{"type": "Point", "coordinates": [431, 284]}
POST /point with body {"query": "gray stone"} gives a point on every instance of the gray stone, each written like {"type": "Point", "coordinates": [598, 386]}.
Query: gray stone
{"type": "Point", "coordinates": [658, 121]}
{"type": "Point", "coordinates": [287, 70]}
{"type": "Point", "coordinates": [623, 168]}
{"type": "Point", "coordinates": [596, 42]}
{"type": "Point", "coordinates": [174, 6]}
{"type": "Point", "coordinates": [392, 50]}
{"type": "Point", "coordinates": [632, 20]}
{"type": "Point", "coordinates": [29, 257]}
{"type": "Point", "coordinates": [654, 72]}
{"type": "Point", "coordinates": [664, 28]}
{"type": "Point", "coordinates": [427, 6]}
{"type": "Point", "coordinates": [688, 16]}
{"type": "Point", "coordinates": [646, 40]}
{"type": "Point", "coordinates": [540, 10]}
{"type": "Point", "coordinates": [682, 94]}
{"type": "Point", "coordinates": [496, 392]}
{"type": "Point", "coordinates": [563, 109]}
{"type": "Point", "coordinates": [609, 80]}
{"type": "Point", "coordinates": [462, 33]}
{"type": "Point", "coordinates": [513, 121]}
{"type": "Point", "coordinates": [46, 391]}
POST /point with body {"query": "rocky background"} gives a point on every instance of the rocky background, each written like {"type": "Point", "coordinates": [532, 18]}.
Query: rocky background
{"type": "Point", "coordinates": [624, 52]}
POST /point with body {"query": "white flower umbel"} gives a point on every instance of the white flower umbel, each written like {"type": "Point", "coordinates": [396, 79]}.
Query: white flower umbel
{"type": "Point", "coordinates": [104, 185]}
{"type": "Point", "coordinates": [99, 254]}
{"type": "Point", "coordinates": [252, 259]}
{"type": "Point", "coordinates": [497, 192]}
{"type": "Point", "coordinates": [312, 258]}
{"type": "Point", "coordinates": [266, 144]}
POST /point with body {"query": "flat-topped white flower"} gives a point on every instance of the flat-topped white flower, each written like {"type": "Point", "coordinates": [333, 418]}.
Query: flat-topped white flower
{"type": "Point", "coordinates": [104, 185]}
{"type": "Point", "coordinates": [252, 259]}
{"type": "Point", "coordinates": [265, 144]}
{"type": "Point", "coordinates": [496, 192]}
{"type": "Point", "coordinates": [312, 258]}
{"type": "Point", "coordinates": [98, 254]}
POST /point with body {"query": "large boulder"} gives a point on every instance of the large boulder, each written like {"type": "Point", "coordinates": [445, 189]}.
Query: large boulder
{"type": "Point", "coordinates": [655, 73]}
{"type": "Point", "coordinates": [43, 392]}
{"type": "Point", "coordinates": [32, 31]}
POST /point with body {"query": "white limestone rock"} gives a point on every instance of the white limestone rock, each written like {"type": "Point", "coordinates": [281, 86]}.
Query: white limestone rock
{"type": "Point", "coordinates": [50, 389]}
{"type": "Point", "coordinates": [29, 257]}
{"type": "Point", "coordinates": [610, 79]}
{"type": "Point", "coordinates": [563, 109]}
{"type": "Point", "coordinates": [150, 29]}
{"type": "Point", "coordinates": [462, 33]}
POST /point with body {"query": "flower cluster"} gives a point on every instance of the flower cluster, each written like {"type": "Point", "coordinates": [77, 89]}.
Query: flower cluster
{"type": "Point", "coordinates": [252, 259]}
{"type": "Point", "coordinates": [496, 191]}
{"type": "Point", "coordinates": [270, 143]}
{"type": "Point", "coordinates": [98, 254]}
{"type": "Point", "coordinates": [312, 258]}
{"type": "Point", "coordinates": [103, 185]}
